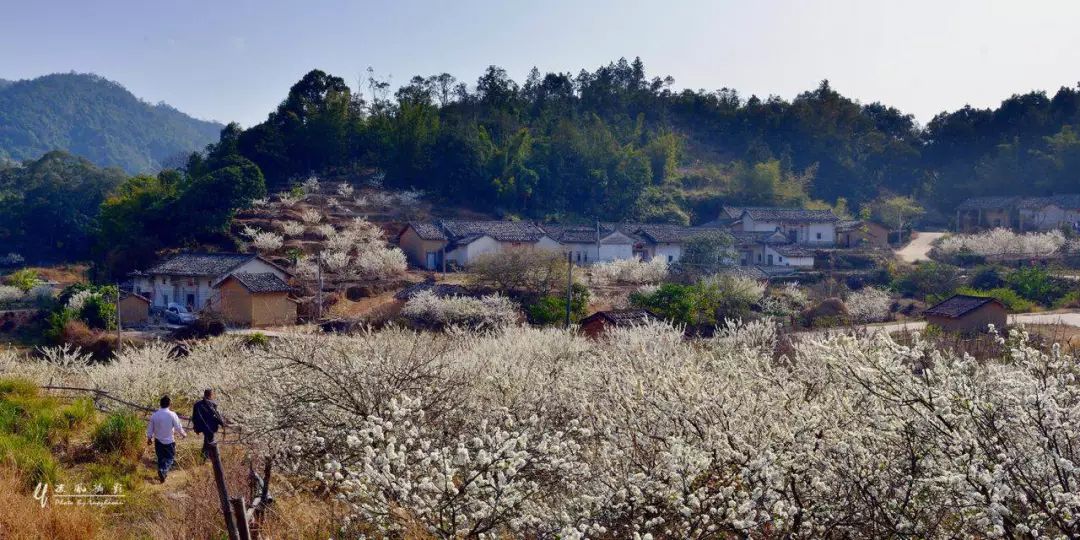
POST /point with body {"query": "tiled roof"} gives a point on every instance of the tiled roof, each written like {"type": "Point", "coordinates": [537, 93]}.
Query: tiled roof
{"type": "Point", "coordinates": [958, 306]}
{"type": "Point", "coordinates": [200, 264]}
{"type": "Point", "coordinates": [671, 233]}
{"type": "Point", "coordinates": [986, 203]}
{"type": "Point", "coordinates": [427, 230]}
{"type": "Point", "coordinates": [578, 234]}
{"type": "Point", "coordinates": [792, 250]}
{"type": "Point", "coordinates": [790, 215]}
{"type": "Point", "coordinates": [1069, 201]}
{"type": "Point", "coordinates": [621, 317]}
{"type": "Point", "coordinates": [747, 238]}
{"type": "Point", "coordinates": [262, 282]}
{"type": "Point", "coordinates": [731, 212]}
{"type": "Point", "coordinates": [460, 232]}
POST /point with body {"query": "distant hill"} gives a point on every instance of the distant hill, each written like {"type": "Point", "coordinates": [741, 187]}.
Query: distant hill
{"type": "Point", "coordinates": [95, 118]}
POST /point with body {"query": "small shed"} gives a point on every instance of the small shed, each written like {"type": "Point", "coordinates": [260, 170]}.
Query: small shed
{"type": "Point", "coordinates": [134, 309]}
{"type": "Point", "coordinates": [860, 233]}
{"type": "Point", "coordinates": [967, 314]}
{"type": "Point", "coordinates": [255, 299]}
{"type": "Point", "coordinates": [598, 323]}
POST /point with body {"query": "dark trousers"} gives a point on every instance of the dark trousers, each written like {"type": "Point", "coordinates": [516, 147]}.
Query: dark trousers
{"type": "Point", "coordinates": [166, 454]}
{"type": "Point", "coordinates": [207, 439]}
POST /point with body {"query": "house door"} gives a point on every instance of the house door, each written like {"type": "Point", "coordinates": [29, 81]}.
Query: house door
{"type": "Point", "coordinates": [770, 259]}
{"type": "Point", "coordinates": [432, 260]}
{"type": "Point", "coordinates": [191, 301]}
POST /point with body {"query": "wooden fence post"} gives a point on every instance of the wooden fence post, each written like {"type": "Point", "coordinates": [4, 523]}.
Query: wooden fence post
{"type": "Point", "coordinates": [240, 515]}
{"type": "Point", "coordinates": [223, 493]}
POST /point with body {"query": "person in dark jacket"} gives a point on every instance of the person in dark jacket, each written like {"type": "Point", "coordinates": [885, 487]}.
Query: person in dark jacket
{"type": "Point", "coordinates": [206, 419]}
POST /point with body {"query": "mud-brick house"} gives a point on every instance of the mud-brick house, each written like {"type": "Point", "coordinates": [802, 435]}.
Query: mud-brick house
{"type": "Point", "coordinates": [134, 309]}
{"type": "Point", "coordinates": [255, 299]}
{"type": "Point", "coordinates": [967, 314]}
{"type": "Point", "coordinates": [861, 234]}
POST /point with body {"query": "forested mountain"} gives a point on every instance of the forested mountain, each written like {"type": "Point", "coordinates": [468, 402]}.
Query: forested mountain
{"type": "Point", "coordinates": [48, 206]}
{"type": "Point", "coordinates": [94, 118]}
{"type": "Point", "coordinates": [616, 144]}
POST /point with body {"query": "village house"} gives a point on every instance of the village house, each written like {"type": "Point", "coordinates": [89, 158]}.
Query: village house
{"type": "Point", "coordinates": [188, 279]}
{"type": "Point", "coordinates": [862, 234]}
{"type": "Point", "coordinates": [770, 249]}
{"type": "Point", "coordinates": [433, 245]}
{"type": "Point", "coordinates": [799, 225]}
{"type": "Point", "coordinates": [603, 242]}
{"type": "Point", "coordinates": [599, 323]}
{"type": "Point", "coordinates": [967, 314]}
{"type": "Point", "coordinates": [255, 299]}
{"type": "Point", "coordinates": [979, 213]}
{"type": "Point", "coordinates": [133, 309]}
{"type": "Point", "coordinates": [1020, 213]}
{"type": "Point", "coordinates": [665, 241]}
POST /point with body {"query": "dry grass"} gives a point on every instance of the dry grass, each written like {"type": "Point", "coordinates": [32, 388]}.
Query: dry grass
{"type": "Point", "coordinates": [188, 506]}
{"type": "Point", "coordinates": [23, 517]}
{"type": "Point", "coordinates": [64, 275]}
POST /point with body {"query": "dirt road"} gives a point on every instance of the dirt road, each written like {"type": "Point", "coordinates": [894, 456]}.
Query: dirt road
{"type": "Point", "coordinates": [918, 248]}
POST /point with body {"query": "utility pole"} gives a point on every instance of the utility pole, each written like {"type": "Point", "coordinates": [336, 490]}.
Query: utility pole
{"type": "Point", "coordinates": [569, 286]}
{"type": "Point", "coordinates": [318, 291]}
{"type": "Point", "coordinates": [119, 336]}
{"type": "Point", "coordinates": [597, 241]}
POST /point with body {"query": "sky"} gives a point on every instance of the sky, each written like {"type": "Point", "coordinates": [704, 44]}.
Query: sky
{"type": "Point", "coordinates": [235, 60]}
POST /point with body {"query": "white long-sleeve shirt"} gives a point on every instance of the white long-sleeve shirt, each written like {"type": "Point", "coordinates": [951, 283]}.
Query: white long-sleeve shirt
{"type": "Point", "coordinates": [161, 426]}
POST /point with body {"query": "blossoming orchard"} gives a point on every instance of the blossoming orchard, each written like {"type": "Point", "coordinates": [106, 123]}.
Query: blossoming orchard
{"type": "Point", "coordinates": [525, 432]}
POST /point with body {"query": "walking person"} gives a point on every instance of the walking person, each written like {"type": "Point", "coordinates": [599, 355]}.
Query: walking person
{"type": "Point", "coordinates": [206, 419]}
{"type": "Point", "coordinates": [163, 424]}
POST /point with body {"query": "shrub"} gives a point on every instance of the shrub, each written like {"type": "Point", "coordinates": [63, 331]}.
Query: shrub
{"type": "Point", "coordinates": [986, 277]}
{"type": "Point", "coordinates": [1000, 242]}
{"type": "Point", "coordinates": [1070, 300]}
{"type": "Point", "coordinates": [630, 271]}
{"type": "Point", "coordinates": [552, 309]}
{"type": "Point", "coordinates": [828, 312]}
{"type": "Point", "coordinates": [209, 324]}
{"type": "Point", "coordinates": [1012, 301]}
{"type": "Point", "coordinates": [533, 271]}
{"type": "Point", "coordinates": [1036, 284]}
{"type": "Point", "coordinates": [10, 294]}
{"type": "Point", "coordinates": [258, 339]}
{"type": "Point", "coordinates": [868, 305]}
{"type": "Point", "coordinates": [120, 434]}
{"type": "Point", "coordinates": [489, 312]}
{"type": "Point", "coordinates": [926, 279]}
{"type": "Point", "coordinates": [24, 279]}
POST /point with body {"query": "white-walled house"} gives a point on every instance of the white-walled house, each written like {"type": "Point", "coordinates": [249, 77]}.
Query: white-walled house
{"type": "Point", "coordinates": [188, 278]}
{"type": "Point", "coordinates": [589, 244]}
{"type": "Point", "coordinates": [800, 226]}
{"type": "Point", "coordinates": [428, 245]}
{"type": "Point", "coordinates": [666, 242]}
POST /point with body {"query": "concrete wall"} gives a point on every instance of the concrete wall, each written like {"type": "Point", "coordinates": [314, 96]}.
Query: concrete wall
{"type": "Point", "coordinates": [975, 321]}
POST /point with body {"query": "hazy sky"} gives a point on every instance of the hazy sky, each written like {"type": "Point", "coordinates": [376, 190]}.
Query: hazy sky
{"type": "Point", "coordinates": [235, 60]}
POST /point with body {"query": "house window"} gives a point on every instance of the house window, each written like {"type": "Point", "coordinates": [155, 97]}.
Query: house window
{"type": "Point", "coordinates": [670, 258]}
{"type": "Point", "coordinates": [586, 256]}
{"type": "Point", "coordinates": [819, 236]}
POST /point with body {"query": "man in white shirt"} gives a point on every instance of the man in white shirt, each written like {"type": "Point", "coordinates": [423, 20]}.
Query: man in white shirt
{"type": "Point", "coordinates": [160, 431]}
